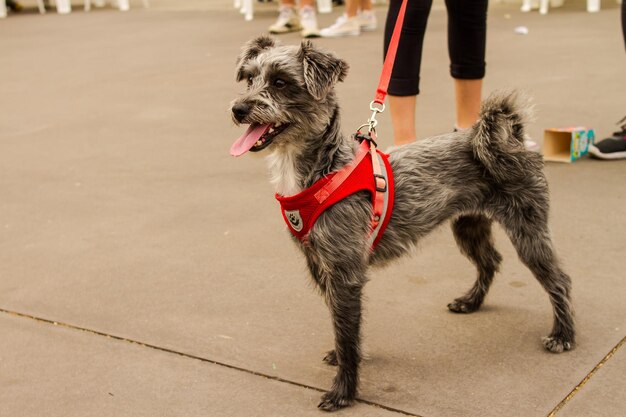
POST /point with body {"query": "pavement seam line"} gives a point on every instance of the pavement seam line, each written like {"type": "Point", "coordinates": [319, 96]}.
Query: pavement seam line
{"type": "Point", "coordinates": [586, 379]}
{"type": "Point", "coordinates": [199, 358]}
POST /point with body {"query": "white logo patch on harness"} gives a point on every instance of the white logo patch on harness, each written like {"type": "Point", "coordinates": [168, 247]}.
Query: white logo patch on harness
{"type": "Point", "coordinates": [295, 221]}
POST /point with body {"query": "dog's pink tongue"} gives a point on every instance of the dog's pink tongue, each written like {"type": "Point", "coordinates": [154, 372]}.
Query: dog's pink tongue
{"type": "Point", "coordinates": [248, 139]}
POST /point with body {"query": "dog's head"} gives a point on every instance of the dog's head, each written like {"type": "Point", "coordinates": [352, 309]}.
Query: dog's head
{"type": "Point", "coordinates": [289, 95]}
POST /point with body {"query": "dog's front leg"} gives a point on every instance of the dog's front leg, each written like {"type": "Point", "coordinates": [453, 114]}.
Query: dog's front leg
{"type": "Point", "coordinates": [343, 295]}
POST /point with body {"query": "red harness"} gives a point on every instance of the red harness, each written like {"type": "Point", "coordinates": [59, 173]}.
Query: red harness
{"type": "Point", "coordinates": [364, 173]}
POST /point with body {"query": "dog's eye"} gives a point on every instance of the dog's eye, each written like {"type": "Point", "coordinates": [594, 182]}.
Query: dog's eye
{"type": "Point", "coordinates": [250, 78]}
{"type": "Point", "coordinates": [279, 83]}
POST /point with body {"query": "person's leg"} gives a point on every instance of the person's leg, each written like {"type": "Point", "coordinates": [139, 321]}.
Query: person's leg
{"type": "Point", "coordinates": [404, 83]}
{"type": "Point", "coordinates": [467, 95]}
{"type": "Point", "coordinates": [467, 34]}
{"type": "Point", "coordinates": [352, 8]}
{"type": "Point", "coordinates": [403, 118]}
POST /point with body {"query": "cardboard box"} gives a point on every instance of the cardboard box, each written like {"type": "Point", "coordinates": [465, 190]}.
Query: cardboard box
{"type": "Point", "coordinates": [567, 144]}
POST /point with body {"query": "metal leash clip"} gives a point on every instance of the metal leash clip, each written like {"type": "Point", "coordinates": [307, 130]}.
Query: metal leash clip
{"type": "Point", "coordinates": [371, 125]}
{"type": "Point", "coordinates": [372, 122]}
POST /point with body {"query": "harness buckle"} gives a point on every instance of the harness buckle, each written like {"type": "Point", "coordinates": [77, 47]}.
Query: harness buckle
{"type": "Point", "coordinates": [383, 188]}
{"type": "Point", "coordinates": [361, 137]}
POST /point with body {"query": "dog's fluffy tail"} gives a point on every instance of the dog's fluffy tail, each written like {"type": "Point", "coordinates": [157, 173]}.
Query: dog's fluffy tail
{"type": "Point", "coordinates": [498, 136]}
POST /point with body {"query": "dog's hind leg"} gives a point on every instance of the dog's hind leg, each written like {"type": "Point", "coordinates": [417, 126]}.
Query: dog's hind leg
{"type": "Point", "coordinates": [534, 247]}
{"type": "Point", "coordinates": [473, 236]}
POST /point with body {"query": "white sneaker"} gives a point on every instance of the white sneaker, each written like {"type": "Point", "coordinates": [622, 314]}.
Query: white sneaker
{"type": "Point", "coordinates": [288, 21]}
{"type": "Point", "coordinates": [343, 26]}
{"type": "Point", "coordinates": [309, 22]}
{"type": "Point", "coordinates": [367, 20]}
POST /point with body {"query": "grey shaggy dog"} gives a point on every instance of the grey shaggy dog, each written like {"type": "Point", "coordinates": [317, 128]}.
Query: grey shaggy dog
{"type": "Point", "coordinates": [471, 177]}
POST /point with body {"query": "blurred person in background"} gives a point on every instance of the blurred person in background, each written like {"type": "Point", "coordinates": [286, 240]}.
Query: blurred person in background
{"type": "Point", "coordinates": [467, 34]}
{"type": "Point", "coordinates": [613, 147]}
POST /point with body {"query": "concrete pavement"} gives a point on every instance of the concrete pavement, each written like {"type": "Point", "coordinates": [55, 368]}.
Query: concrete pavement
{"type": "Point", "coordinates": [170, 275]}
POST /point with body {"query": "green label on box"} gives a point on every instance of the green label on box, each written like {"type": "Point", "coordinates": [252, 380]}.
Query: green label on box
{"type": "Point", "coordinates": [581, 139]}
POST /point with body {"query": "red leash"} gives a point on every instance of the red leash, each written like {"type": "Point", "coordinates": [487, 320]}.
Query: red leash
{"type": "Point", "coordinates": [381, 94]}
{"type": "Point", "coordinates": [385, 75]}
{"type": "Point", "coordinates": [390, 58]}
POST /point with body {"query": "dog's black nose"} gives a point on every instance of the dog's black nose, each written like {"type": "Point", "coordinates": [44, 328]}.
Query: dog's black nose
{"type": "Point", "coordinates": [241, 110]}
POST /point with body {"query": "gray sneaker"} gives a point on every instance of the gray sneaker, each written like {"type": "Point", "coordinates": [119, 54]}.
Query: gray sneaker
{"type": "Point", "coordinates": [367, 20]}
{"type": "Point", "coordinates": [308, 20]}
{"type": "Point", "coordinates": [288, 21]}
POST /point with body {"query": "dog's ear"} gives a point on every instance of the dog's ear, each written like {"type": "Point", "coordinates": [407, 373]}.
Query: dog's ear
{"type": "Point", "coordinates": [321, 70]}
{"type": "Point", "coordinates": [252, 49]}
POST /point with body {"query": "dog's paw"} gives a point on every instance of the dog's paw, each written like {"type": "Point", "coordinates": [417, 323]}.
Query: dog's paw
{"type": "Point", "coordinates": [556, 344]}
{"type": "Point", "coordinates": [332, 401]}
{"type": "Point", "coordinates": [461, 305]}
{"type": "Point", "coordinates": [331, 358]}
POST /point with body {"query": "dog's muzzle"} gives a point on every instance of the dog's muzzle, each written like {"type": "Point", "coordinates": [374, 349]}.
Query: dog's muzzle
{"type": "Point", "coordinates": [241, 111]}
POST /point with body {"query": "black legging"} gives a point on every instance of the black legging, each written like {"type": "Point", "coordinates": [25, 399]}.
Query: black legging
{"type": "Point", "coordinates": [467, 33]}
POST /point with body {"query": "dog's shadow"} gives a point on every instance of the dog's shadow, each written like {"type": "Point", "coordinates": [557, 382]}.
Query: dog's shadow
{"type": "Point", "coordinates": [492, 334]}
